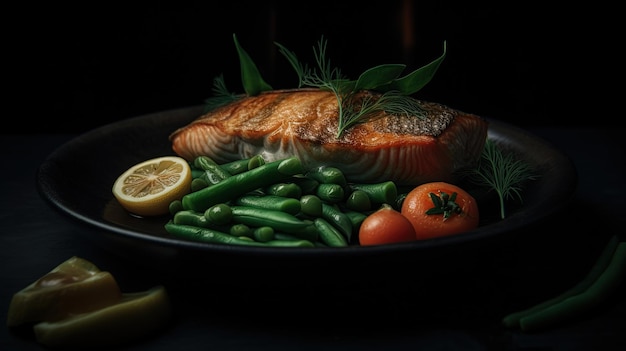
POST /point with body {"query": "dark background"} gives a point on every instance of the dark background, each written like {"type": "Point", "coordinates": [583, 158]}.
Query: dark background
{"type": "Point", "coordinates": [82, 66]}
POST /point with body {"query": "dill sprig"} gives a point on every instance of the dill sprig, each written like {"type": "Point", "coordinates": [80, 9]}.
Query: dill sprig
{"type": "Point", "coordinates": [301, 69]}
{"type": "Point", "coordinates": [221, 95]}
{"type": "Point", "coordinates": [503, 173]}
{"type": "Point", "coordinates": [328, 78]}
{"type": "Point", "coordinates": [391, 102]}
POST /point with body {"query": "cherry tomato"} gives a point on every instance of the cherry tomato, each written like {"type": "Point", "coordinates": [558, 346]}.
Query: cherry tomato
{"type": "Point", "coordinates": [385, 226]}
{"type": "Point", "coordinates": [439, 209]}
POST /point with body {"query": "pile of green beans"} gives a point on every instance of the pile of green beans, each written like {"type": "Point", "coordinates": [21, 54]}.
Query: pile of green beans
{"type": "Point", "coordinates": [280, 203]}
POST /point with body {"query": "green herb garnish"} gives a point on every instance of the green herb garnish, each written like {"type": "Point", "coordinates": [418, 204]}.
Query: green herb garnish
{"type": "Point", "coordinates": [502, 173]}
{"type": "Point", "coordinates": [251, 78]}
{"type": "Point", "coordinates": [221, 95]}
{"type": "Point", "coordinates": [353, 108]}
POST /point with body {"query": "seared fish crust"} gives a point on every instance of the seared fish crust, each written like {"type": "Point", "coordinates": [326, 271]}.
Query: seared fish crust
{"type": "Point", "coordinates": [304, 123]}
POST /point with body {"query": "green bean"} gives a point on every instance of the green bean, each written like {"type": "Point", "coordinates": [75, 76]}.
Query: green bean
{"type": "Point", "coordinates": [190, 217]}
{"type": "Point", "coordinates": [280, 236]}
{"type": "Point", "coordinates": [244, 164]}
{"type": "Point", "coordinates": [513, 319]}
{"type": "Point", "coordinates": [311, 205]}
{"type": "Point", "coordinates": [280, 221]}
{"type": "Point", "coordinates": [270, 202]}
{"type": "Point", "coordinates": [255, 161]}
{"type": "Point", "coordinates": [606, 283]}
{"type": "Point", "coordinates": [327, 175]}
{"type": "Point", "coordinates": [196, 172]}
{"type": "Point", "coordinates": [330, 192]}
{"type": "Point", "coordinates": [218, 237]}
{"type": "Point", "coordinates": [291, 190]}
{"type": "Point", "coordinates": [242, 183]}
{"type": "Point", "coordinates": [358, 200]}
{"type": "Point", "coordinates": [198, 183]}
{"type": "Point", "coordinates": [210, 178]}
{"type": "Point", "coordinates": [337, 219]}
{"type": "Point", "coordinates": [263, 234]}
{"type": "Point", "coordinates": [379, 193]}
{"type": "Point", "coordinates": [247, 238]}
{"type": "Point", "coordinates": [328, 234]}
{"type": "Point", "coordinates": [286, 236]}
{"type": "Point", "coordinates": [356, 218]}
{"type": "Point", "coordinates": [239, 230]}
{"type": "Point", "coordinates": [213, 173]}
{"type": "Point", "coordinates": [307, 185]}
{"type": "Point", "coordinates": [206, 235]}
{"type": "Point", "coordinates": [219, 214]}
{"type": "Point", "coordinates": [175, 206]}
{"type": "Point", "coordinates": [290, 243]}
{"type": "Point", "coordinates": [236, 166]}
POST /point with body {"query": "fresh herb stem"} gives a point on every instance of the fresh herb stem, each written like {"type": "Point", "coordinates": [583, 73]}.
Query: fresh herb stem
{"type": "Point", "coordinates": [221, 95]}
{"type": "Point", "coordinates": [503, 173]}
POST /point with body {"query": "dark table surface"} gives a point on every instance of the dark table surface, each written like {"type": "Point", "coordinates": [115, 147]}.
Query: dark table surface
{"type": "Point", "coordinates": [463, 315]}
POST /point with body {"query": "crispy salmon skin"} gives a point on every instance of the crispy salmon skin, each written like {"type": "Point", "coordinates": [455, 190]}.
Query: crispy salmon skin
{"type": "Point", "coordinates": [304, 122]}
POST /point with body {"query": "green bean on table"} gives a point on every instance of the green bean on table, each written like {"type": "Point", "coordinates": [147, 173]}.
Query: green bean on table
{"type": "Point", "coordinates": [602, 279]}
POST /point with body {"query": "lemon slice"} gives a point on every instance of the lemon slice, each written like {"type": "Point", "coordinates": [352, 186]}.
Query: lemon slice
{"type": "Point", "coordinates": [74, 286]}
{"type": "Point", "coordinates": [148, 188]}
{"type": "Point", "coordinates": [134, 316]}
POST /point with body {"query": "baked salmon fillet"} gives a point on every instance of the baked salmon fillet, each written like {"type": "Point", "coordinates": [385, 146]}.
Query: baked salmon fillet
{"type": "Point", "coordinates": [304, 123]}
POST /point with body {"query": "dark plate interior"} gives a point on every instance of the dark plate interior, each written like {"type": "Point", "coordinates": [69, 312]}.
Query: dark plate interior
{"type": "Point", "coordinates": [76, 179]}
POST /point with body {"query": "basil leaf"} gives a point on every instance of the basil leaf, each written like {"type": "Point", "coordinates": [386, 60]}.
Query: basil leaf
{"type": "Point", "coordinates": [251, 78]}
{"type": "Point", "coordinates": [378, 76]}
{"type": "Point", "coordinates": [417, 79]}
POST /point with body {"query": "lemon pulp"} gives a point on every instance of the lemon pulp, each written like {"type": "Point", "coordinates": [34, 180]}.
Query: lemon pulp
{"type": "Point", "coordinates": [148, 188]}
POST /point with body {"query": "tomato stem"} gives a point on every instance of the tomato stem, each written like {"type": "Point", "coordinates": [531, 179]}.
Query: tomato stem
{"type": "Point", "coordinates": [444, 204]}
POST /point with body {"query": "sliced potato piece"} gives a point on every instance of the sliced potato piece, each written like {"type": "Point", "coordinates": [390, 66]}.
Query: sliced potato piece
{"type": "Point", "coordinates": [134, 316]}
{"type": "Point", "coordinates": [75, 286]}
